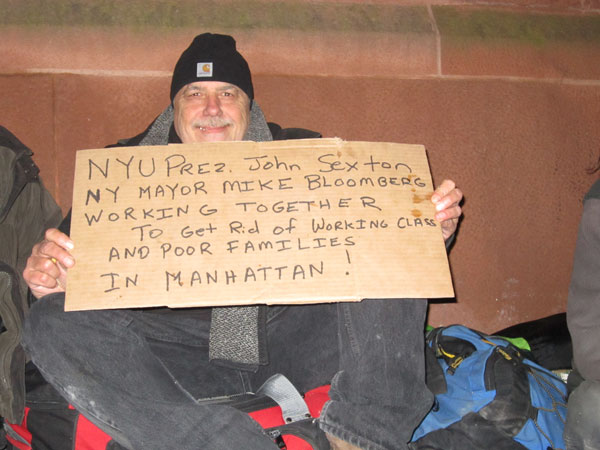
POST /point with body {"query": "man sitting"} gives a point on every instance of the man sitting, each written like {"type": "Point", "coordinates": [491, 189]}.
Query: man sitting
{"type": "Point", "coordinates": [140, 375]}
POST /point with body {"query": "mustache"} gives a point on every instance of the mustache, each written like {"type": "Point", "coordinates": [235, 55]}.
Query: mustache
{"type": "Point", "coordinates": [212, 122]}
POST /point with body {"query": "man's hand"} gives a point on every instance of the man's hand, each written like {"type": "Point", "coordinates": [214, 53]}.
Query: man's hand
{"type": "Point", "coordinates": [46, 269]}
{"type": "Point", "coordinates": [447, 198]}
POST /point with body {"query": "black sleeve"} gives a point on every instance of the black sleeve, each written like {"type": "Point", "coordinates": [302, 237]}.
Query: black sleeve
{"type": "Point", "coordinates": [65, 225]}
{"type": "Point", "coordinates": [283, 134]}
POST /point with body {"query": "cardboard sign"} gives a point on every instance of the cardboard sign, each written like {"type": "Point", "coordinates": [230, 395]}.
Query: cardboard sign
{"type": "Point", "coordinates": [237, 223]}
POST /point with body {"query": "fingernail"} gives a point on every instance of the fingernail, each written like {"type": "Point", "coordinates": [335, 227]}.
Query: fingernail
{"type": "Point", "coordinates": [69, 261]}
{"type": "Point", "coordinates": [69, 245]}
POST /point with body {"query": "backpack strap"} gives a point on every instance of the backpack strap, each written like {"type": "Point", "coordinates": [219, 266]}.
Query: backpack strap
{"type": "Point", "coordinates": [297, 417]}
{"type": "Point", "coordinates": [451, 349]}
{"type": "Point", "coordinates": [282, 391]}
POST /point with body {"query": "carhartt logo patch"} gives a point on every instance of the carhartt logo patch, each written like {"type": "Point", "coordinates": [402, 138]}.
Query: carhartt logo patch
{"type": "Point", "coordinates": [204, 69]}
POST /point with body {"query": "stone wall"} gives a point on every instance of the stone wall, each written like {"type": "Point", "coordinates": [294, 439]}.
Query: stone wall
{"type": "Point", "coordinates": [506, 100]}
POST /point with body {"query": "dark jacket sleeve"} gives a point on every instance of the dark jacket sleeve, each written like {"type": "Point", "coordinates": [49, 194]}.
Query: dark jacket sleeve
{"type": "Point", "coordinates": [65, 225]}
{"type": "Point", "coordinates": [583, 308]}
{"type": "Point", "coordinates": [282, 134]}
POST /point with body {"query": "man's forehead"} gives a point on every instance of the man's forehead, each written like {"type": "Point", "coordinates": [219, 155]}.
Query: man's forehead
{"type": "Point", "coordinates": [211, 85]}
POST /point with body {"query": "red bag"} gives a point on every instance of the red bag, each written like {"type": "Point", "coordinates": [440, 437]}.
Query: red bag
{"type": "Point", "coordinates": [51, 424]}
{"type": "Point", "coordinates": [56, 429]}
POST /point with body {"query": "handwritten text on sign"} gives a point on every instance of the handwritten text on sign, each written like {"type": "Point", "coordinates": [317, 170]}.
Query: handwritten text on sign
{"type": "Point", "coordinates": [244, 222]}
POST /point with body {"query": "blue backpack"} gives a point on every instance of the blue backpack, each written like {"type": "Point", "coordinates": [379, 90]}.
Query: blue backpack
{"type": "Point", "coordinates": [488, 395]}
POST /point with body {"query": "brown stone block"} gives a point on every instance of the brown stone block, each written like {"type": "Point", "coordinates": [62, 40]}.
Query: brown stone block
{"type": "Point", "coordinates": [518, 150]}
{"type": "Point", "coordinates": [269, 51]}
{"type": "Point", "coordinates": [72, 49]}
{"type": "Point", "coordinates": [510, 59]}
{"type": "Point", "coordinates": [363, 54]}
{"type": "Point", "coordinates": [65, 49]}
{"type": "Point", "coordinates": [487, 41]}
{"type": "Point", "coordinates": [92, 112]}
{"type": "Point", "coordinates": [27, 110]}
{"type": "Point", "coordinates": [520, 153]}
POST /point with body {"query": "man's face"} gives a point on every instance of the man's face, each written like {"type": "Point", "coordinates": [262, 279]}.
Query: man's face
{"type": "Point", "coordinates": [207, 111]}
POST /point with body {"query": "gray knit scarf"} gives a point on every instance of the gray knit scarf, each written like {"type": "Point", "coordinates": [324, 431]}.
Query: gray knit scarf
{"type": "Point", "coordinates": [237, 333]}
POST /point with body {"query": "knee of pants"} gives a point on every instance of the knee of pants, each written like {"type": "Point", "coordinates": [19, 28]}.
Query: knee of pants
{"type": "Point", "coordinates": [584, 404]}
{"type": "Point", "coordinates": [45, 322]}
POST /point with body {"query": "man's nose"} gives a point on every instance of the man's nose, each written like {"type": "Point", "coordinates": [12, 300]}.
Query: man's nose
{"type": "Point", "coordinates": [213, 105]}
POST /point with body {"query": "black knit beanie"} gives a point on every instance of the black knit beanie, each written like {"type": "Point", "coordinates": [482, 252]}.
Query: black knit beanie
{"type": "Point", "coordinates": [212, 57]}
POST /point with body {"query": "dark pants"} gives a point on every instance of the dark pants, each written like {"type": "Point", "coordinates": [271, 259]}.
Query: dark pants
{"type": "Point", "coordinates": [137, 374]}
{"type": "Point", "coordinates": [582, 430]}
